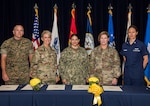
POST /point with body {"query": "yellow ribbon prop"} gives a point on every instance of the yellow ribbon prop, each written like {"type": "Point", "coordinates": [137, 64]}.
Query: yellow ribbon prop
{"type": "Point", "coordinates": [95, 89]}
{"type": "Point", "coordinates": [97, 100]}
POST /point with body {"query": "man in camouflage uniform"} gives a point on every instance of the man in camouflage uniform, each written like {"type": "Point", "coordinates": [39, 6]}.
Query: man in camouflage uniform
{"type": "Point", "coordinates": [105, 61]}
{"type": "Point", "coordinates": [15, 55]}
{"type": "Point", "coordinates": [73, 65]}
{"type": "Point", "coordinates": [44, 61]}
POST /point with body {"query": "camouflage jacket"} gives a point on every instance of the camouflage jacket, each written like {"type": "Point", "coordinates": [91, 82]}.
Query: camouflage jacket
{"type": "Point", "coordinates": [105, 64]}
{"type": "Point", "coordinates": [43, 64]}
{"type": "Point", "coordinates": [73, 65]}
{"type": "Point", "coordinates": [17, 63]}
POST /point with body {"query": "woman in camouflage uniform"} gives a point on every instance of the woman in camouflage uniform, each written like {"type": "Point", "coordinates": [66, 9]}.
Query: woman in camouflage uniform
{"type": "Point", "coordinates": [73, 65]}
{"type": "Point", "coordinates": [105, 61]}
{"type": "Point", "coordinates": [44, 61]}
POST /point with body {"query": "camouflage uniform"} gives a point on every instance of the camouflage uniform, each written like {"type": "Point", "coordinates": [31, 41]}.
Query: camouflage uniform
{"type": "Point", "coordinates": [43, 65]}
{"type": "Point", "coordinates": [73, 65]}
{"type": "Point", "coordinates": [105, 64]}
{"type": "Point", "coordinates": [17, 63]}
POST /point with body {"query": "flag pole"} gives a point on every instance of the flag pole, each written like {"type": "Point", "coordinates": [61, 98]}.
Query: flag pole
{"type": "Point", "coordinates": [126, 37]}
{"type": "Point", "coordinates": [55, 6]}
{"type": "Point", "coordinates": [148, 8]}
{"type": "Point", "coordinates": [129, 20]}
{"type": "Point", "coordinates": [35, 6]}
{"type": "Point", "coordinates": [89, 40]}
{"type": "Point", "coordinates": [73, 5]}
{"type": "Point", "coordinates": [110, 7]}
{"type": "Point", "coordinates": [36, 9]}
{"type": "Point", "coordinates": [111, 27]}
{"type": "Point", "coordinates": [55, 42]}
{"type": "Point", "coordinates": [35, 33]}
{"type": "Point", "coordinates": [89, 7]}
{"type": "Point", "coordinates": [130, 7]}
{"type": "Point", "coordinates": [73, 29]}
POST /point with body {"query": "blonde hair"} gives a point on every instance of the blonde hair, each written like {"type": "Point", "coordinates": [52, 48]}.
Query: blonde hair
{"type": "Point", "coordinates": [46, 32]}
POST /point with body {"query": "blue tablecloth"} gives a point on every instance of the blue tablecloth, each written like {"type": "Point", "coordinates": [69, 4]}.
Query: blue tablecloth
{"type": "Point", "coordinates": [131, 96]}
{"type": "Point", "coordinates": [65, 97]}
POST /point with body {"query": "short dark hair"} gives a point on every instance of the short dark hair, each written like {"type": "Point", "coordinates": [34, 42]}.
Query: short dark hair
{"type": "Point", "coordinates": [74, 35]}
{"type": "Point", "coordinates": [133, 26]}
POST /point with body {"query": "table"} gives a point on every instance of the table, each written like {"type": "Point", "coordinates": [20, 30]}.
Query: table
{"type": "Point", "coordinates": [65, 97]}
{"type": "Point", "coordinates": [131, 96]}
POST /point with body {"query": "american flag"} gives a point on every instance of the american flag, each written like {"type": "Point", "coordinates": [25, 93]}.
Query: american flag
{"type": "Point", "coordinates": [35, 34]}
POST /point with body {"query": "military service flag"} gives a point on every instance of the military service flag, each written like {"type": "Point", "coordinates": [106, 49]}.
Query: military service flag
{"type": "Point", "coordinates": [35, 34]}
{"type": "Point", "coordinates": [129, 21]}
{"type": "Point", "coordinates": [111, 30]}
{"type": "Point", "coordinates": [89, 40]}
{"type": "Point", "coordinates": [126, 37]}
{"type": "Point", "coordinates": [73, 29]}
{"type": "Point", "coordinates": [55, 37]}
{"type": "Point", "coordinates": [147, 42]}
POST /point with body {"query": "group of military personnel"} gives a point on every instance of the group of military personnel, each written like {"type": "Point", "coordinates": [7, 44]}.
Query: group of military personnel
{"type": "Point", "coordinates": [19, 62]}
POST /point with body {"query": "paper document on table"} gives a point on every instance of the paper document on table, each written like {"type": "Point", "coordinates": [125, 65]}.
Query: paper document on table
{"type": "Point", "coordinates": [8, 87]}
{"type": "Point", "coordinates": [56, 87]}
{"type": "Point", "coordinates": [27, 87]}
{"type": "Point", "coordinates": [80, 87]}
{"type": "Point", "coordinates": [112, 88]}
